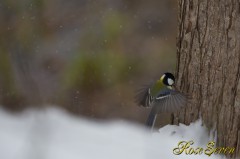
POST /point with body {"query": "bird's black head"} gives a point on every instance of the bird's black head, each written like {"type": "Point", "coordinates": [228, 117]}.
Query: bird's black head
{"type": "Point", "coordinates": [168, 79]}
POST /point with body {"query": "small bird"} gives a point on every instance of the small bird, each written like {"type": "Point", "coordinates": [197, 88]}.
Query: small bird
{"type": "Point", "coordinates": [161, 97]}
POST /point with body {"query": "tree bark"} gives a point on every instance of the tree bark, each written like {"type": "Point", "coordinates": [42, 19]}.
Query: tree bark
{"type": "Point", "coordinates": [208, 66]}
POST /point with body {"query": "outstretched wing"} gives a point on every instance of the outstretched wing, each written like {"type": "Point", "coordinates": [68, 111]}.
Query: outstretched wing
{"type": "Point", "coordinates": [169, 101]}
{"type": "Point", "coordinates": [143, 97]}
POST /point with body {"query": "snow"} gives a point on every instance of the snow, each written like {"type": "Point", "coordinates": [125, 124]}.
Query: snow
{"type": "Point", "coordinates": [55, 134]}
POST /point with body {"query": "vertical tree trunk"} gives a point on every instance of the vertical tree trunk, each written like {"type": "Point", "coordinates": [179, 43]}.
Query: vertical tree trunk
{"type": "Point", "coordinates": [208, 66]}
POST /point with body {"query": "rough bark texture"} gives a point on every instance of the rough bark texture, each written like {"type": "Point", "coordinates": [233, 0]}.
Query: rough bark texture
{"type": "Point", "coordinates": [208, 66]}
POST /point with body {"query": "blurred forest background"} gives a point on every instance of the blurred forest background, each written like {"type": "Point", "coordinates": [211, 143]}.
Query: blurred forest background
{"type": "Point", "coordinates": [87, 56]}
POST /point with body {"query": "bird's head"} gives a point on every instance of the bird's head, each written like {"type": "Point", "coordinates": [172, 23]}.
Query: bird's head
{"type": "Point", "coordinates": [168, 79]}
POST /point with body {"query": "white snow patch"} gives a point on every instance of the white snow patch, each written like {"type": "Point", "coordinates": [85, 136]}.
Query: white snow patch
{"type": "Point", "coordinates": [55, 134]}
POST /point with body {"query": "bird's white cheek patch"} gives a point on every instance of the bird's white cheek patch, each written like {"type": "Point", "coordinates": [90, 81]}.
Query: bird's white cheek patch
{"type": "Point", "coordinates": [170, 81]}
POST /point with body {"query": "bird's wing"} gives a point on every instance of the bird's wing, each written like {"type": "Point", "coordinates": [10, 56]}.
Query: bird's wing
{"type": "Point", "coordinates": [143, 97]}
{"type": "Point", "coordinates": [169, 101]}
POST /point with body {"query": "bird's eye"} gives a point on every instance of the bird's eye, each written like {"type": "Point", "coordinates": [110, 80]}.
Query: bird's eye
{"type": "Point", "coordinates": [170, 81]}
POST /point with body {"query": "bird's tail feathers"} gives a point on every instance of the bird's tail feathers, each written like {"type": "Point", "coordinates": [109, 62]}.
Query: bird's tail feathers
{"type": "Point", "coordinates": [151, 119]}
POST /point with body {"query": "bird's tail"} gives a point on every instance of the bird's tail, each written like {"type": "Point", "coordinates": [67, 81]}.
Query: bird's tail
{"type": "Point", "coordinates": [151, 119]}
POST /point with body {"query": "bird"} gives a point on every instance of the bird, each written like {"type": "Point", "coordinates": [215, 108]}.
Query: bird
{"type": "Point", "coordinates": [161, 96]}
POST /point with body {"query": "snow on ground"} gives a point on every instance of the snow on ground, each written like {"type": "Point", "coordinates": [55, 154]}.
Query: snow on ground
{"type": "Point", "coordinates": [54, 134]}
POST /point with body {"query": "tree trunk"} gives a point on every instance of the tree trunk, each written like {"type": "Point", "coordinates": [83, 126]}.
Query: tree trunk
{"type": "Point", "coordinates": [208, 66]}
